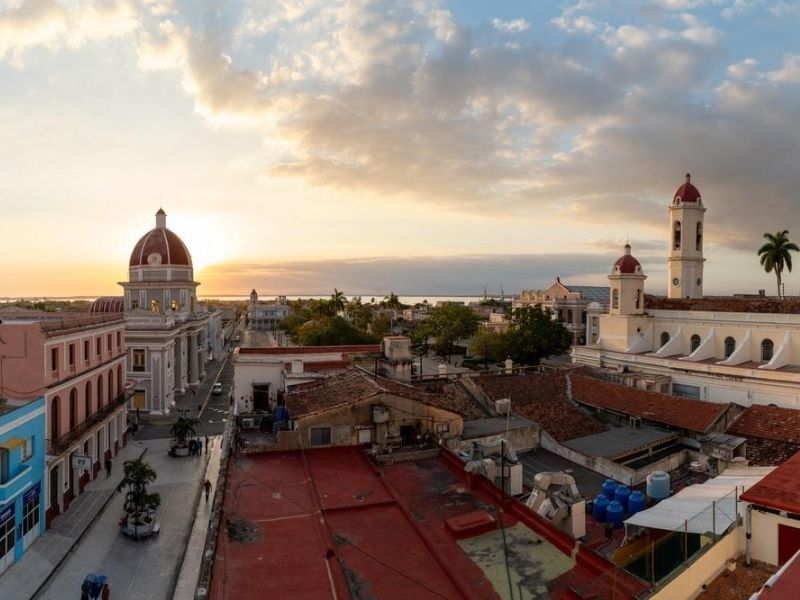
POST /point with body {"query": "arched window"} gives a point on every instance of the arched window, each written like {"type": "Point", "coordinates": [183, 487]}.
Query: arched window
{"type": "Point", "coordinates": [87, 401]}
{"type": "Point", "coordinates": [664, 338]}
{"type": "Point", "coordinates": [55, 410]}
{"type": "Point", "coordinates": [615, 299]}
{"type": "Point", "coordinates": [699, 245]}
{"type": "Point", "coordinates": [119, 379]}
{"type": "Point", "coordinates": [730, 346]}
{"type": "Point", "coordinates": [73, 408]}
{"type": "Point", "coordinates": [99, 392]}
{"type": "Point", "coordinates": [155, 306]}
{"type": "Point", "coordinates": [110, 385]}
{"type": "Point", "coordinates": [638, 298]}
{"type": "Point", "coordinates": [766, 350]}
{"type": "Point", "coordinates": [694, 343]}
{"type": "Point", "coordinates": [676, 239]}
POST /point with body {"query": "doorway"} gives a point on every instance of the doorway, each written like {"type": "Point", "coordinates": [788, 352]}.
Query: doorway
{"type": "Point", "coordinates": [261, 397]}
{"type": "Point", "coordinates": [408, 435]}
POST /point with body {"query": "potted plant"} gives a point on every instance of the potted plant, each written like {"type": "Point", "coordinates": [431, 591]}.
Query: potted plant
{"type": "Point", "coordinates": [183, 430]}
{"type": "Point", "coordinates": [140, 505]}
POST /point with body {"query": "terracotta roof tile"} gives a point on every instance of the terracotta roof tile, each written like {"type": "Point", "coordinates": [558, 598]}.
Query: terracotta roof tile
{"type": "Point", "coordinates": [541, 397]}
{"type": "Point", "coordinates": [356, 349]}
{"type": "Point", "coordinates": [724, 304]}
{"type": "Point", "coordinates": [354, 387]}
{"type": "Point", "coordinates": [769, 422]}
{"type": "Point", "coordinates": [682, 413]}
{"type": "Point", "coordinates": [780, 489]}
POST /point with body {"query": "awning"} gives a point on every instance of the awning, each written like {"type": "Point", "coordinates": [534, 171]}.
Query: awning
{"type": "Point", "coordinates": [12, 443]}
{"type": "Point", "coordinates": [691, 508]}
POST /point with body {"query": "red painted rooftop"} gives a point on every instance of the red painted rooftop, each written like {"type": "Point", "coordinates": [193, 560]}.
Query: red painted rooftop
{"type": "Point", "coordinates": [769, 422]}
{"type": "Point", "coordinates": [687, 192]}
{"type": "Point", "coordinates": [780, 489]}
{"type": "Point", "coordinates": [787, 584]}
{"type": "Point", "coordinates": [682, 413]}
{"type": "Point", "coordinates": [164, 242]}
{"type": "Point", "coordinates": [355, 349]}
{"type": "Point", "coordinates": [328, 523]}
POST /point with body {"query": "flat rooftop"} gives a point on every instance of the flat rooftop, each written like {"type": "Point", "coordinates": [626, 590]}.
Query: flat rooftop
{"type": "Point", "coordinates": [328, 523]}
{"type": "Point", "coordinates": [477, 428]}
{"type": "Point", "coordinates": [620, 442]}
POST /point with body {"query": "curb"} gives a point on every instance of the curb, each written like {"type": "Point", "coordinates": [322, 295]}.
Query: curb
{"type": "Point", "coordinates": [78, 539]}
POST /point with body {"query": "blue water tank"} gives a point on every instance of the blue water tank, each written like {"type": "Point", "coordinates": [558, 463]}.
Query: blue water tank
{"type": "Point", "coordinates": [658, 485]}
{"type": "Point", "coordinates": [599, 508]}
{"type": "Point", "coordinates": [609, 487]}
{"type": "Point", "coordinates": [615, 514]}
{"type": "Point", "coordinates": [635, 502]}
{"type": "Point", "coordinates": [281, 414]}
{"type": "Point", "coordinates": [621, 495]}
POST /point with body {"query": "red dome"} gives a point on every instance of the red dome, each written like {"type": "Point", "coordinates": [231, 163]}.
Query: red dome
{"type": "Point", "coordinates": [160, 246]}
{"type": "Point", "coordinates": [687, 192]}
{"type": "Point", "coordinates": [627, 264]}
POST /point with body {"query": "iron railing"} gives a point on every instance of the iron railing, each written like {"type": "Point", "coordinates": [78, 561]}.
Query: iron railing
{"type": "Point", "coordinates": [57, 446]}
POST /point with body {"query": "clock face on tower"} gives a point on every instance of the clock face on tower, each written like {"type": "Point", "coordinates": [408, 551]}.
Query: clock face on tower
{"type": "Point", "coordinates": [675, 281]}
{"type": "Point", "coordinates": [154, 259]}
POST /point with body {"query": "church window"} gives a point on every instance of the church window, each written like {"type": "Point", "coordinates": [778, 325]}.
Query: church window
{"type": "Point", "coordinates": [155, 306]}
{"type": "Point", "coordinates": [174, 304]}
{"type": "Point", "coordinates": [134, 304]}
{"type": "Point", "coordinates": [694, 343]}
{"type": "Point", "coordinates": [615, 299]}
{"type": "Point", "coordinates": [664, 338]}
{"type": "Point", "coordinates": [676, 241]}
{"type": "Point", "coordinates": [730, 346]}
{"type": "Point", "coordinates": [138, 360]}
{"type": "Point", "coordinates": [699, 244]}
{"type": "Point", "coordinates": [767, 348]}
{"type": "Point", "coordinates": [638, 298]}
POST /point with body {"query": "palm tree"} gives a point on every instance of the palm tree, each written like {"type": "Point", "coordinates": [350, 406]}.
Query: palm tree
{"type": "Point", "coordinates": [183, 429]}
{"type": "Point", "coordinates": [138, 501]}
{"type": "Point", "coordinates": [775, 254]}
{"type": "Point", "coordinates": [338, 300]}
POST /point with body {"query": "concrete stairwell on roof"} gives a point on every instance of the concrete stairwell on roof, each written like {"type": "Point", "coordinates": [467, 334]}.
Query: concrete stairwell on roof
{"type": "Point", "coordinates": [477, 395]}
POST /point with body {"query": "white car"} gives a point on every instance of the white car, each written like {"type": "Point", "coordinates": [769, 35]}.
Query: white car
{"type": "Point", "coordinates": [216, 389]}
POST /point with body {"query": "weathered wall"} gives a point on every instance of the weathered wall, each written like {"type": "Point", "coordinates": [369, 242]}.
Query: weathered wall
{"type": "Point", "coordinates": [764, 543]}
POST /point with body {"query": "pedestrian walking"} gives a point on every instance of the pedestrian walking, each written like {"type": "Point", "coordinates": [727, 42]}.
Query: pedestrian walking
{"type": "Point", "coordinates": [106, 594]}
{"type": "Point", "coordinates": [206, 444]}
{"type": "Point", "coordinates": [108, 468]}
{"type": "Point", "coordinates": [207, 486]}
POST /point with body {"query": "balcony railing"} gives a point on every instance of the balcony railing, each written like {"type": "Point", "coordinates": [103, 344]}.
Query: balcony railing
{"type": "Point", "coordinates": [55, 447]}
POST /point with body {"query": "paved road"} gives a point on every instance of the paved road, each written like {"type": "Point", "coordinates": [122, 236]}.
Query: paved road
{"type": "Point", "coordinates": [145, 570]}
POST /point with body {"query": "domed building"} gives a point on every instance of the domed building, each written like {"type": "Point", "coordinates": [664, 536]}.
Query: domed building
{"type": "Point", "coordinates": [168, 336]}
{"type": "Point", "coordinates": [742, 349]}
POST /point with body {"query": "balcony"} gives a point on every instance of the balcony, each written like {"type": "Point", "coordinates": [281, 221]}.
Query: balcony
{"type": "Point", "coordinates": [56, 447]}
{"type": "Point", "coordinates": [14, 484]}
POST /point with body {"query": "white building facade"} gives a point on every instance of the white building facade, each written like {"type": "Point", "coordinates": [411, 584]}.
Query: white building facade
{"type": "Point", "coordinates": [739, 350]}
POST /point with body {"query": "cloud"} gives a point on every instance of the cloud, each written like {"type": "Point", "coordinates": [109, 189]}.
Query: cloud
{"type": "Point", "coordinates": [515, 26]}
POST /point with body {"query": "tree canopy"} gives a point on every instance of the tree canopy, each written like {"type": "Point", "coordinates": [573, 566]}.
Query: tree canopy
{"type": "Point", "coordinates": [776, 254]}
{"type": "Point", "coordinates": [449, 323]}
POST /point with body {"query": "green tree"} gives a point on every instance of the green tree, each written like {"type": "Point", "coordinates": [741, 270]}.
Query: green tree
{"type": "Point", "coordinates": [449, 323]}
{"type": "Point", "coordinates": [381, 326]}
{"type": "Point", "coordinates": [488, 345]}
{"type": "Point", "coordinates": [534, 335]}
{"type": "Point", "coordinates": [392, 301]}
{"type": "Point", "coordinates": [138, 499]}
{"type": "Point", "coordinates": [183, 429]}
{"type": "Point", "coordinates": [338, 301]}
{"type": "Point", "coordinates": [776, 254]}
{"type": "Point", "coordinates": [333, 331]}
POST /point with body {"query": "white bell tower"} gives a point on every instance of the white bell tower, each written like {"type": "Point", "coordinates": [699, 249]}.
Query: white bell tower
{"type": "Point", "coordinates": [685, 262]}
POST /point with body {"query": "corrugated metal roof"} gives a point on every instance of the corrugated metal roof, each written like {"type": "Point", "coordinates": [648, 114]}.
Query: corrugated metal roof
{"type": "Point", "coordinates": [593, 293]}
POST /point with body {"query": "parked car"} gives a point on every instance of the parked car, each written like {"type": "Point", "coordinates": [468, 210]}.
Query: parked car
{"type": "Point", "coordinates": [216, 389]}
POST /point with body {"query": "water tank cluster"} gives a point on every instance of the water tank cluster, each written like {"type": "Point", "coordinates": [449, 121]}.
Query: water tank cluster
{"type": "Point", "coordinates": [615, 501]}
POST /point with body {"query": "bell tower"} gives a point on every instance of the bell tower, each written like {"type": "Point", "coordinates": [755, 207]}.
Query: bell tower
{"type": "Point", "coordinates": [685, 261]}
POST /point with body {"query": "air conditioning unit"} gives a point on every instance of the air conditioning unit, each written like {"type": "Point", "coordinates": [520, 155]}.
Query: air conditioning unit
{"type": "Point", "coordinates": [635, 422]}
{"type": "Point", "coordinates": [380, 414]}
{"type": "Point", "coordinates": [501, 407]}
{"type": "Point", "coordinates": [248, 423]}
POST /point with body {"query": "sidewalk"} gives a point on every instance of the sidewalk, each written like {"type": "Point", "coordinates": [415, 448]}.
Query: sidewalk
{"type": "Point", "coordinates": [193, 558]}
{"type": "Point", "coordinates": [24, 578]}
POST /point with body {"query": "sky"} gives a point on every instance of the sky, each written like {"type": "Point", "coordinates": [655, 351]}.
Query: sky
{"type": "Point", "coordinates": [425, 147]}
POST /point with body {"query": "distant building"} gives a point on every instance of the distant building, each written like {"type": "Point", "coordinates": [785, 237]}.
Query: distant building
{"type": "Point", "coordinates": [572, 305]}
{"type": "Point", "coordinates": [77, 363]}
{"type": "Point", "coordinates": [22, 476]}
{"type": "Point", "coordinates": [265, 315]}
{"type": "Point", "coordinates": [736, 349]}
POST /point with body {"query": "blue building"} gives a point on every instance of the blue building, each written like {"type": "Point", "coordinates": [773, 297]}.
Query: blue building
{"type": "Point", "coordinates": [22, 461]}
